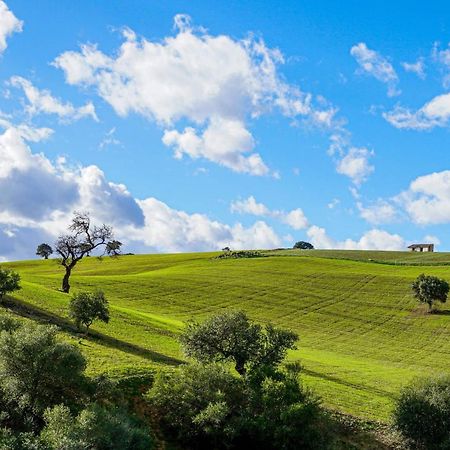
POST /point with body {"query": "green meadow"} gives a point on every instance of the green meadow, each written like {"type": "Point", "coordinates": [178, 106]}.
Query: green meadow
{"type": "Point", "coordinates": [362, 335]}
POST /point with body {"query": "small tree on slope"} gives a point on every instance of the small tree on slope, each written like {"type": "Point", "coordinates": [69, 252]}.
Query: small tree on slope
{"type": "Point", "coordinates": [429, 289]}
{"type": "Point", "coordinates": [86, 307]}
{"type": "Point", "coordinates": [9, 282]}
{"type": "Point", "coordinates": [44, 250]}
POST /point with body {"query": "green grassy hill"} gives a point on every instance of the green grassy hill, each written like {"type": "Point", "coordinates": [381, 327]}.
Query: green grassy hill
{"type": "Point", "coordinates": [362, 335]}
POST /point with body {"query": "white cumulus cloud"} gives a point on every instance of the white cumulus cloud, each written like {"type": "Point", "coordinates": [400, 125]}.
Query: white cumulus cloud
{"type": "Point", "coordinates": [417, 67]}
{"type": "Point", "coordinates": [371, 240]}
{"type": "Point", "coordinates": [435, 113]}
{"type": "Point", "coordinates": [42, 101]}
{"type": "Point", "coordinates": [9, 24]}
{"type": "Point", "coordinates": [214, 83]}
{"type": "Point", "coordinates": [295, 218]}
{"type": "Point", "coordinates": [376, 65]}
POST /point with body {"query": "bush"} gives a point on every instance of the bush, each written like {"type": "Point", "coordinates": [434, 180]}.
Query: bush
{"type": "Point", "coordinates": [240, 254]}
{"type": "Point", "coordinates": [96, 427]}
{"type": "Point", "coordinates": [207, 407]}
{"type": "Point", "coordinates": [37, 371]}
{"type": "Point", "coordinates": [422, 413]}
{"type": "Point", "coordinates": [9, 282]}
{"type": "Point", "coordinates": [86, 307]}
{"type": "Point", "coordinates": [284, 415]}
{"type": "Point", "coordinates": [199, 404]}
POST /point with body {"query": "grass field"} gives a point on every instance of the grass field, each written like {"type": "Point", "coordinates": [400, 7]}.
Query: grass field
{"type": "Point", "coordinates": [362, 335]}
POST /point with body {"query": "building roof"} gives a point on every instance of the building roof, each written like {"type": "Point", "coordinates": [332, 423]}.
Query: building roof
{"type": "Point", "coordinates": [419, 245]}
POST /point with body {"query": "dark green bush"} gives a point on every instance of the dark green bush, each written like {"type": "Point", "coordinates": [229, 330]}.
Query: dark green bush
{"type": "Point", "coordinates": [240, 254]}
{"type": "Point", "coordinates": [199, 405]}
{"type": "Point", "coordinates": [422, 413]}
{"type": "Point", "coordinates": [205, 406]}
{"type": "Point", "coordinates": [9, 282]}
{"type": "Point", "coordinates": [95, 427]}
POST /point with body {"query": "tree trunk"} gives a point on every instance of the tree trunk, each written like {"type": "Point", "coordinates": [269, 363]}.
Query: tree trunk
{"type": "Point", "coordinates": [46, 256]}
{"type": "Point", "coordinates": [65, 283]}
{"type": "Point", "coordinates": [240, 368]}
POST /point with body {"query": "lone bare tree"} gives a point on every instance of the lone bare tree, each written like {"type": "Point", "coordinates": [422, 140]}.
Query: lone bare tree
{"type": "Point", "coordinates": [80, 242]}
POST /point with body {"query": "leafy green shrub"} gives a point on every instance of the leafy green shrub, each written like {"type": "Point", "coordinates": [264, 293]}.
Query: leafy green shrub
{"type": "Point", "coordinates": [240, 254]}
{"type": "Point", "coordinates": [429, 289]}
{"type": "Point", "coordinates": [199, 404]}
{"type": "Point", "coordinates": [422, 413]}
{"type": "Point", "coordinates": [86, 307]}
{"type": "Point", "coordinates": [38, 371]}
{"type": "Point", "coordinates": [284, 415]}
{"type": "Point", "coordinates": [9, 282]}
{"type": "Point", "coordinates": [204, 406]}
{"type": "Point", "coordinates": [95, 427]}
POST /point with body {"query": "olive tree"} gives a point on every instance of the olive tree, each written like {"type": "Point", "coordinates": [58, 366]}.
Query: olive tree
{"type": "Point", "coordinates": [44, 250]}
{"type": "Point", "coordinates": [429, 289]}
{"type": "Point", "coordinates": [421, 412]}
{"type": "Point", "coordinates": [302, 245]}
{"type": "Point", "coordinates": [86, 307]}
{"type": "Point", "coordinates": [80, 242]}
{"type": "Point", "coordinates": [9, 282]}
{"type": "Point", "coordinates": [232, 336]}
{"type": "Point", "coordinates": [38, 371]}
{"type": "Point", "coordinates": [95, 427]}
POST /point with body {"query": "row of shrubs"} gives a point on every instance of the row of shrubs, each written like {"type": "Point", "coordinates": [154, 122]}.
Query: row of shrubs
{"type": "Point", "coordinates": [234, 254]}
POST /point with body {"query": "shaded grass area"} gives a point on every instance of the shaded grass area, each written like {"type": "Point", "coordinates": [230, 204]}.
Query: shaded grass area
{"type": "Point", "coordinates": [362, 335]}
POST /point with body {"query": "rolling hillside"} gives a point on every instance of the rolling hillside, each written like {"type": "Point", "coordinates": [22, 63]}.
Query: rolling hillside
{"type": "Point", "coordinates": [362, 335]}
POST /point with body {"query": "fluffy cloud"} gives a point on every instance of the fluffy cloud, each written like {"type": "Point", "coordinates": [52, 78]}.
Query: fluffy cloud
{"type": "Point", "coordinates": [39, 196]}
{"type": "Point", "coordinates": [371, 240]}
{"type": "Point", "coordinates": [9, 24]}
{"type": "Point", "coordinates": [379, 212]}
{"type": "Point", "coordinates": [351, 161]}
{"type": "Point", "coordinates": [167, 229]}
{"type": "Point", "coordinates": [356, 165]}
{"type": "Point", "coordinates": [296, 218]}
{"type": "Point", "coordinates": [435, 113]}
{"type": "Point", "coordinates": [417, 67]}
{"type": "Point", "coordinates": [42, 101]}
{"type": "Point", "coordinates": [224, 142]}
{"type": "Point", "coordinates": [215, 83]}
{"type": "Point", "coordinates": [376, 65]}
{"type": "Point", "coordinates": [427, 200]}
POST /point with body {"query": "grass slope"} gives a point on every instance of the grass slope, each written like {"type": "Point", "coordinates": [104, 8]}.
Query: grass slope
{"type": "Point", "coordinates": [362, 335]}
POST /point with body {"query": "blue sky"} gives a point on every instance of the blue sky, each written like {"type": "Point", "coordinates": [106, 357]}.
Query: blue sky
{"type": "Point", "coordinates": [194, 125]}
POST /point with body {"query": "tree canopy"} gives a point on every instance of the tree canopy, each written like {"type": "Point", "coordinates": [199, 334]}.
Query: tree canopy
{"type": "Point", "coordinates": [44, 250]}
{"type": "Point", "coordinates": [86, 307]}
{"type": "Point", "coordinates": [429, 289]}
{"type": "Point", "coordinates": [234, 337]}
{"type": "Point", "coordinates": [302, 245]}
{"type": "Point", "coordinates": [9, 282]}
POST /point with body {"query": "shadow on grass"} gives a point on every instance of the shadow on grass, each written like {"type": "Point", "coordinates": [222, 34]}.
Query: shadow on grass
{"type": "Point", "coordinates": [24, 309]}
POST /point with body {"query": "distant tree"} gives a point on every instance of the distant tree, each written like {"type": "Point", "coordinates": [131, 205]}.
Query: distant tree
{"type": "Point", "coordinates": [9, 282]}
{"type": "Point", "coordinates": [226, 249]}
{"type": "Point", "coordinates": [302, 245]}
{"type": "Point", "coordinates": [429, 289]}
{"type": "Point", "coordinates": [86, 307]}
{"type": "Point", "coordinates": [37, 371]}
{"type": "Point", "coordinates": [82, 240]}
{"type": "Point", "coordinates": [44, 250]}
{"type": "Point", "coordinates": [232, 336]}
{"type": "Point", "coordinates": [113, 248]}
